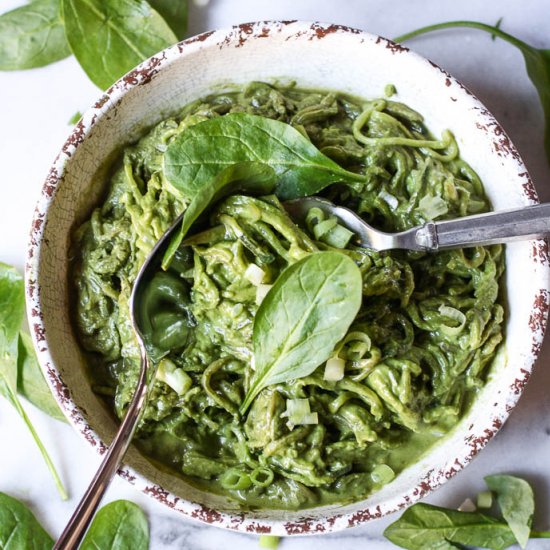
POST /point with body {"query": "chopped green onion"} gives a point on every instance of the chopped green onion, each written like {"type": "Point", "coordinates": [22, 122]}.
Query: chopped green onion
{"type": "Point", "coordinates": [389, 199]}
{"type": "Point", "coordinates": [382, 474]}
{"type": "Point", "coordinates": [485, 499]}
{"type": "Point", "coordinates": [432, 207]}
{"type": "Point", "coordinates": [299, 413]}
{"type": "Point", "coordinates": [254, 274]}
{"type": "Point", "coordinates": [270, 542]}
{"type": "Point", "coordinates": [261, 293]}
{"type": "Point", "coordinates": [236, 480]}
{"type": "Point", "coordinates": [175, 377]}
{"type": "Point", "coordinates": [262, 477]}
{"type": "Point", "coordinates": [467, 506]}
{"type": "Point", "coordinates": [338, 237]}
{"type": "Point", "coordinates": [334, 369]}
{"type": "Point", "coordinates": [323, 227]}
{"type": "Point", "coordinates": [455, 315]}
{"type": "Point", "coordinates": [313, 217]}
{"type": "Point", "coordinates": [310, 418]}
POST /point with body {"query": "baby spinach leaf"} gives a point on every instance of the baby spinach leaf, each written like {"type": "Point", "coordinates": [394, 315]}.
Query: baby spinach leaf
{"type": "Point", "coordinates": [110, 37]}
{"type": "Point", "coordinates": [30, 380]}
{"type": "Point", "coordinates": [19, 529]}
{"type": "Point", "coordinates": [120, 525]}
{"type": "Point", "coordinates": [517, 504]}
{"type": "Point", "coordinates": [12, 311]}
{"type": "Point", "coordinates": [32, 36]}
{"type": "Point", "coordinates": [537, 62]}
{"type": "Point", "coordinates": [175, 13]}
{"type": "Point", "coordinates": [304, 315]}
{"type": "Point", "coordinates": [243, 176]}
{"type": "Point", "coordinates": [12, 308]}
{"type": "Point", "coordinates": [427, 527]}
{"type": "Point", "coordinates": [195, 157]}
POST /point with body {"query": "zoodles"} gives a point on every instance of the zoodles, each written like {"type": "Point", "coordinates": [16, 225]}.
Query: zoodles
{"type": "Point", "coordinates": [410, 364]}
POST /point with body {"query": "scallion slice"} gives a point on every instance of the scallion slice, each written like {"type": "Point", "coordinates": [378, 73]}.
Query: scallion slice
{"type": "Point", "coordinates": [334, 369]}
{"type": "Point", "coordinates": [254, 274]}
{"type": "Point", "coordinates": [175, 377]}
{"type": "Point", "coordinates": [432, 207]}
{"type": "Point", "coordinates": [299, 413]}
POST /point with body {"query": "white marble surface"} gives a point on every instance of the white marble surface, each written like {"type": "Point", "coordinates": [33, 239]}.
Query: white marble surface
{"type": "Point", "coordinates": [34, 109]}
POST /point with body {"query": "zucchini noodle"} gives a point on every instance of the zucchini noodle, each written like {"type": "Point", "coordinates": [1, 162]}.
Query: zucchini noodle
{"type": "Point", "coordinates": [404, 375]}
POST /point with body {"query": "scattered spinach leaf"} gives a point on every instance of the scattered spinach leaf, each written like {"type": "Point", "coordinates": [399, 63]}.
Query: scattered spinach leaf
{"type": "Point", "coordinates": [30, 380]}
{"type": "Point", "coordinates": [120, 525]}
{"type": "Point", "coordinates": [253, 177]}
{"type": "Point", "coordinates": [427, 527]}
{"type": "Point", "coordinates": [32, 36]}
{"type": "Point", "coordinates": [537, 62]}
{"type": "Point", "coordinates": [19, 529]}
{"type": "Point", "coordinates": [304, 315]}
{"type": "Point", "coordinates": [195, 157]}
{"type": "Point", "coordinates": [110, 37]}
{"type": "Point", "coordinates": [175, 13]}
{"type": "Point", "coordinates": [517, 504]}
{"type": "Point", "coordinates": [12, 311]}
{"type": "Point", "coordinates": [12, 308]}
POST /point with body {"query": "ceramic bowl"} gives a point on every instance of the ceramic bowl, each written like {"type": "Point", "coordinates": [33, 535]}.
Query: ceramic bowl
{"type": "Point", "coordinates": [316, 56]}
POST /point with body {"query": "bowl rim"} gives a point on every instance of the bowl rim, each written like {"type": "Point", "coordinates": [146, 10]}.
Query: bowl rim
{"type": "Point", "coordinates": [239, 521]}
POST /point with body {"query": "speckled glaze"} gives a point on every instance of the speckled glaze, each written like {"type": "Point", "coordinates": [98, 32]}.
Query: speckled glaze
{"type": "Point", "coordinates": [315, 55]}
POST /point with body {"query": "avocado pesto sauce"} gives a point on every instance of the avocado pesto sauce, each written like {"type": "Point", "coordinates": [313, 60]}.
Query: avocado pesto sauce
{"type": "Point", "coordinates": [412, 360]}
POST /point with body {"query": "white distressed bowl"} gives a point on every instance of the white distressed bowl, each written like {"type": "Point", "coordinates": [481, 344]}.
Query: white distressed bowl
{"type": "Point", "coordinates": [317, 56]}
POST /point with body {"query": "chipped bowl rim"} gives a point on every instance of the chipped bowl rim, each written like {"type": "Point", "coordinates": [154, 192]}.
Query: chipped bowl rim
{"type": "Point", "coordinates": [239, 521]}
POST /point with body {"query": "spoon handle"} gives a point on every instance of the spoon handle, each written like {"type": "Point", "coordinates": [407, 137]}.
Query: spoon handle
{"type": "Point", "coordinates": [80, 520]}
{"type": "Point", "coordinates": [531, 222]}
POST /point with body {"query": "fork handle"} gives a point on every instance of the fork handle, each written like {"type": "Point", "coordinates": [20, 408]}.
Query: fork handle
{"type": "Point", "coordinates": [531, 222]}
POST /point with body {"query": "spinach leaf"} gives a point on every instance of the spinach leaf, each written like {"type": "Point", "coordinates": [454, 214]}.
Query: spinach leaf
{"type": "Point", "coordinates": [175, 13]}
{"type": "Point", "coordinates": [243, 176]}
{"type": "Point", "coordinates": [304, 315]}
{"type": "Point", "coordinates": [195, 157]}
{"type": "Point", "coordinates": [12, 311]}
{"type": "Point", "coordinates": [110, 37]}
{"type": "Point", "coordinates": [517, 504]}
{"type": "Point", "coordinates": [19, 529]}
{"type": "Point", "coordinates": [12, 307]}
{"type": "Point", "coordinates": [30, 380]}
{"type": "Point", "coordinates": [537, 62]}
{"type": "Point", "coordinates": [427, 527]}
{"type": "Point", "coordinates": [120, 525]}
{"type": "Point", "coordinates": [32, 36]}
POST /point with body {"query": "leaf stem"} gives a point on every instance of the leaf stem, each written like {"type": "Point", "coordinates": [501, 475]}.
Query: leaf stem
{"type": "Point", "coordinates": [539, 535]}
{"type": "Point", "coordinates": [466, 24]}
{"type": "Point", "coordinates": [59, 485]}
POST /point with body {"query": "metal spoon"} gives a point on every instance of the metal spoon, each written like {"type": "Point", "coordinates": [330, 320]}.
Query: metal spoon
{"type": "Point", "coordinates": [82, 516]}
{"type": "Point", "coordinates": [493, 227]}
{"type": "Point", "coordinates": [528, 222]}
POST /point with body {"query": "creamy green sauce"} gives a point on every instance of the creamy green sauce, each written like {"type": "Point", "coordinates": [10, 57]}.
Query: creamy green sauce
{"type": "Point", "coordinates": [432, 321]}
